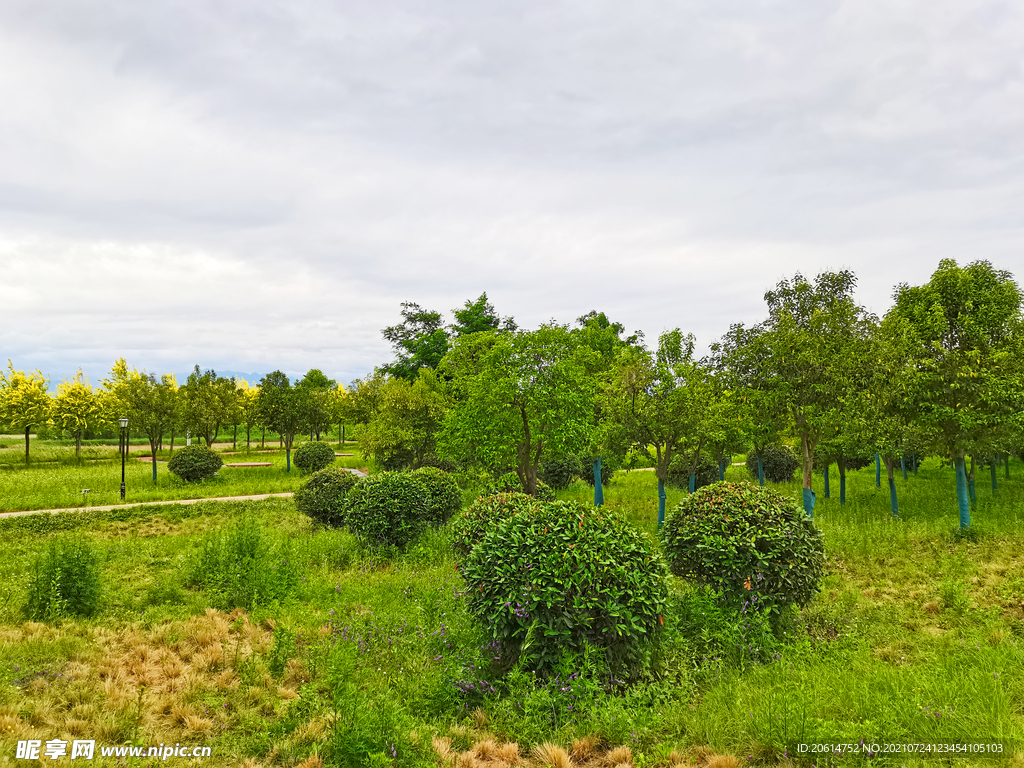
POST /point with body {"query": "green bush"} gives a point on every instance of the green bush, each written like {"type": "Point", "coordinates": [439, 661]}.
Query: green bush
{"type": "Point", "coordinates": [313, 456]}
{"type": "Point", "coordinates": [608, 466]}
{"type": "Point", "coordinates": [679, 472]}
{"type": "Point", "coordinates": [65, 581]}
{"type": "Point", "coordinates": [752, 545]}
{"type": "Point", "coordinates": [194, 463]}
{"type": "Point", "coordinates": [433, 460]}
{"type": "Point", "coordinates": [443, 495]}
{"type": "Point", "coordinates": [559, 471]}
{"type": "Point", "coordinates": [509, 483]}
{"type": "Point", "coordinates": [243, 566]}
{"type": "Point", "coordinates": [778, 461]}
{"type": "Point", "coordinates": [323, 496]}
{"type": "Point", "coordinates": [563, 577]}
{"type": "Point", "coordinates": [388, 509]}
{"type": "Point", "coordinates": [467, 529]}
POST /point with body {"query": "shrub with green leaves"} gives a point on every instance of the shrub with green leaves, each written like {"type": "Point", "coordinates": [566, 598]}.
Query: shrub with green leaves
{"type": "Point", "coordinates": [65, 580]}
{"type": "Point", "coordinates": [313, 456]}
{"type": "Point", "coordinates": [609, 464]}
{"type": "Point", "coordinates": [564, 576]}
{"type": "Point", "coordinates": [244, 566]}
{"type": "Point", "coordinates": [323, 496]}
{"type": "Point", "coordinates": [467, 529]}
{"type": "Point", "coordinates": [194, 463]}
{"type": "Point", "coordinates": [679, 472]}
{"type": "Point", "coordinates": [388, 510]}
{"type": "Point", "coordinates": [509, 483]}
{"type": "Point", "coordinates": [778, 461]}
{"type": "Point", "coordinates": [443, 495]}
{"type": "Point", "coordinates": [560, 471]}
{"type": "Point", "coordinates": [752, 545]}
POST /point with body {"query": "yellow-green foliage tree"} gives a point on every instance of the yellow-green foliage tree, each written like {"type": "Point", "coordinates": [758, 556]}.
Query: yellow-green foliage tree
{"type": "Point", "coordinates": [245, 397]}
{"type": "Point", "coordinates": [24, 401]}
{"type": "Point", "coordinates": [149, 404]}
{"type": "Point", "coordinates": [76, 407]}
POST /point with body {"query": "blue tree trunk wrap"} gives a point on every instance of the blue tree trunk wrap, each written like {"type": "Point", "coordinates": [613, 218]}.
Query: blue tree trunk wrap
{"type": "Point", "coordinates": [878, 470]}
{"type": "Point", "coordinates": [892, 498]}
{"type": "Point", "coordinates": [995, 482]}
{"type": "Point", "coordinates": [693, 483]}
{"type": "Point", "coordinates": [721, 471]}
{"type": "Point", "coordinates": [661, 503]}
{"type": "Point", "coordinates": [972, 493]}
{"type": "Point", "coordinates": [961, 494]}
{"type": "Point", "coordinates": [903, 467]}
{"type": "Point", "coordinates": [826, 482]}
{"type": "Point", "coordinates": [809, 502]}
{"type": "Point", "coordinates": [760, 472]}
{"type": "Point", "coordinates": [598, 488]}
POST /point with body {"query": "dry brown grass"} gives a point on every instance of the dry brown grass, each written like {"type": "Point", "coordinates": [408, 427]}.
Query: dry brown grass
{"type": "Point", "coordinates": [584, 753]}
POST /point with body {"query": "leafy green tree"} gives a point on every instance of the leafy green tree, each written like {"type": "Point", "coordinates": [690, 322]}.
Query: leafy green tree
{"type": "Point", "coordinates": [420, 341]}
{"type": "Point", "coordinates": [77, 407]}
{"type": "Point", "coordinates": [24, 401]}
{"type": "Point", "coordinates": [246, 399]}
{"type": "Point", "coordinates": [663, 401]}
{"type": "Point", "coordinates": [405, 423]}
{"type": "Point", "coordinates": [962, 382]}
{"type": "Point", "coordinates": [209, 402]}
{"type": "Point", "coordinates": [517, 395]}
{"type": "Point", "coordinates": [318, 390]}
{"type": "Point", "coordinates": [283, 408]}
{"type": "Point", "coordinates": [479, 317]}
{"type": "Point", "coordinates": [150, 404]}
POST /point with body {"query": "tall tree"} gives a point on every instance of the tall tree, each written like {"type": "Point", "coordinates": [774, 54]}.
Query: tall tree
{"type": "Point", "coordinates": [208, 402]}
{"type": "Point", "coordinates": [479, 316]}
{"type": "Point", "coordinates": [247, 396]}
{"type": "Point", "coordinates": [318, 393]}
{"type": "Point", "coordinates": [24, 401]}
{"type": "Point", "coordinates": [282, 408]}
{"type": "Point", "coordinates": [77, 407]}
{"type": "Point", "coordinates": [517, 395]}
{"type": "Point", "coordinates": [406, 420]}
{"type": "Point", "coordinates": [420, 341]}
{"type": "Point", "coordinates": [150, 404]}
{"type": "Point", "coordinates": [964, 379]}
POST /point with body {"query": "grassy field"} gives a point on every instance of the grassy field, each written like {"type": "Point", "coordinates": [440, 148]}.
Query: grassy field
{"type": "Point", "coordinates": [916, 637]}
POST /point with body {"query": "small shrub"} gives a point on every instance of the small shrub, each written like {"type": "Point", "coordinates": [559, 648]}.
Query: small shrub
{"type": "Point", "coordinates": [679, 472]}
{"type": "Point", "coordinates": [752, 545]}
{"type": "Point", "coordinates": [560, 471]}
{"type": "Point", "coordinates": [608, 466]}
{"type": "Point", "coordinates": [778, 461]}
{"type": "Point", "coordinates": [388, 510]}
{"type": "Point", "coordinates": [468, 528]}
{"type": "Point", "coordinates": [242, 566]}
{"type": "Point", "coordinates": [563, 577]}
{"type": "Point", "coordinates": [433, 460]}
{"type": "Point", "coordinates": [65, 581]}
{"type": "Point", "coordinates": [323, 496]}
{"type": "Point", "coordinates": [313, 456]}
{"type": "Point", "coordinates": [509, 483]}
{"type": "Point", "coordinates": [194, 463]}
{"type": "Point", "coordinates": [443, 495]}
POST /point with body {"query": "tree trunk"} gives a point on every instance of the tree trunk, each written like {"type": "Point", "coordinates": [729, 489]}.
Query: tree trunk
{"type": "Point", "coordinates": [995, 482]}
{"type": "Point", "coordinates": [263, 438]}
{"type": "Point", "coordinates": [878, 470]}
{"type": "Point", "coordinates": [246, 437]}
{"type": "Point", "coordinates": [26, 445]}
{"type": "Point", "coordinates": [153, 445]}
{"type": "Point", "coordinates": [172, 439]}
{"type": "Point", "coordinates": [841, 463]}
{"type": "Point", "coordinates": [661, 502]}
{"type": "Point", "coordinates": [78, 444]}
{"type": "Point", "coordinates": [963, 500]}
{"type": "Point", "coordinates": [827, 465]}
{"type": "Point", "coordinates": [598, 487]}
{"type": "Point", "coordinates": [808, 446]}
{"type": "Point", "coordinates": [970, 485]}
{"type": "Point", "coordinates": [234, 439]}
{"type": "Point", "coordinates": [890, 471]}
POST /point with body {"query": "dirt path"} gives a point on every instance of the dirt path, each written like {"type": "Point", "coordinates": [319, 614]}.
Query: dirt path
{"type": "Point", "coordinates": [105, 507]}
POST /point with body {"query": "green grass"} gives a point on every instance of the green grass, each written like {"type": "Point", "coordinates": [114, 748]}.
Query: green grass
{"type": "Point", "coordinates": [916, 637]}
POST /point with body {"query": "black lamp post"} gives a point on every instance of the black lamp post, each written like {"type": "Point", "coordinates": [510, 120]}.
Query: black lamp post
{"type": "Point", "coordinates": [124, 449]}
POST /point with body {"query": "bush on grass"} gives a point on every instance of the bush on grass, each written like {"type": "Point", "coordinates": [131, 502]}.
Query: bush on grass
{"type": "Point", "coordinates": [753, 546]}
{"type": "Point", "coordinates": [778, 461]}
{"type": "Point", "coordinates": [509, 483]}
{"type": "Point", "coordinates": [323, 497]}
{"type": "Point", "coordinates": [194, 463]}
{"type": "Point", "coordinates": [243, 566]}
{"type": "Point", "coordinates": [388, 510]}
{"type": "Point", "coordinates": [443, 495]}
{"type": "Point", "coordinates": [65, 581]}
{"type": "Point", "coordinates": [562, 577]}
{"type": "Point", "coordinates": [313, 456]}
{"type": "Point", "coordinates": [559, 471]}
{"type": "Point", "coordinates": [679, 472]}
{"type": "Point", "coordinates": [468, 528]}
{"type": "Point", "coordinates": [609, 464]}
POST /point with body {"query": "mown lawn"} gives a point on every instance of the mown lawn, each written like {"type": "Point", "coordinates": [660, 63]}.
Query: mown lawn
{"type": "Point", "coordinates": [916, 637]}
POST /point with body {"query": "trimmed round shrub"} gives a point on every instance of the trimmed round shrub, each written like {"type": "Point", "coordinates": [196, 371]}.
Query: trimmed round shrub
{"type": "Point", "coordinates": [752, 545]}
{"type": "Point", "coordinates": [194, 463]}
{"type": "Point", "coordinates": [467, 529]}
{"type": "Point", "coordinates": [313, 456]}
{"type": "Point", "coordinates": [323, 496]}
{"type": "Point", "coordinates": [387, 510]}
{"type": "Point", "coordinates": [679, 474]}
{"type": "Point", "coordinates": [608, 466]}
{"type": "Point", "coordinates": [563, 577]}
{"type": "Point", "coordinates": [65, 580]}
{"type": "Point", "coordinates": [443, 495]}
{"type": "Point", "coordinates": [559, 471]}
{"type": "Point", "coordinates": [778, 461]}
{"type": "Point", "coordinates": [509, 483]}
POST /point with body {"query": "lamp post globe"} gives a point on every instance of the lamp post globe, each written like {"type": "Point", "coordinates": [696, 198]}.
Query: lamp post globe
{"type": "Point", "coordinates": [123, 421]}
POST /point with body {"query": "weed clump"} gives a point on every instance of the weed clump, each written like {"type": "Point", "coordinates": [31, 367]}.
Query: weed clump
{"type": "Point", "coordinates": [194, 463]}
{"type": "Point", "coordinates": [313, 456]}
{"type": "Point", "coordinates": [752, 545]}
{"type": "Point", "coordinates": [323, 496]}
{"type": "Point", "coordinates": [65, 581]}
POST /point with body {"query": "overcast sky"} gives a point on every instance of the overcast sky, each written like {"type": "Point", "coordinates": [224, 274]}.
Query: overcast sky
{"type": "Point", "coordinates": [257, 185]}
